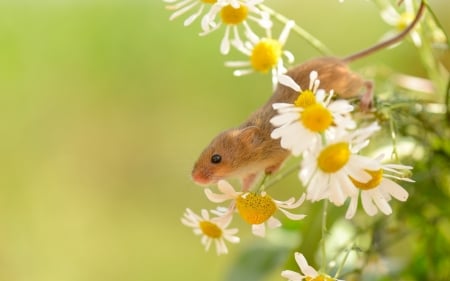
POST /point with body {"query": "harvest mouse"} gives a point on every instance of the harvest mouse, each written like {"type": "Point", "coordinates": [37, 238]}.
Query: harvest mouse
{"type": "Point", "coordinates": [248, 150]}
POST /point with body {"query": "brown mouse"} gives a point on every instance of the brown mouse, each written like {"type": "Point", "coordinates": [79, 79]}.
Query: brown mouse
{"type": "Point", "coordinates": [248, 150]}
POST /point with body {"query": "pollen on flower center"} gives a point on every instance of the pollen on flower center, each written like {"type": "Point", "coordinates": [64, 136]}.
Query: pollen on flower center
{"type": "Point", "coordinates": [375, 181]}
{"type": "Point", "coordinates": [405, 19]}
{"type": "Point", "coordinates": [305, 99]}
{"type": "Point", "coordinates": [265, 55]}
{"type": "Point", "coordinates": [334, 157]}
{"type": "Point", "coordinates": [317, 118]}
{"type": "Point", "coordinates": [210, 229]}
{"type": "Point", "coordinates": [232, 15]}
{"type": "Point", "coordinates": [255, 208]}
{"type": "Point", "coordinates": [209, 1]}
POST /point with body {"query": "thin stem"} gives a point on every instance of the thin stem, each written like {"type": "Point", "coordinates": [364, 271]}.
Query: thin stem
{"type": "Point", "coordinates": [313, 41]}
{"type": "Point", "coordinates": [341, 266]}
{"type": "Point", "coordinates": [263, 181]}
{"type": "Point", "coordinates": [392, 127]}
{"type": "Point", "coordinates": [324, 232]}
{"type": "Point", "coordinates": [281, 176]}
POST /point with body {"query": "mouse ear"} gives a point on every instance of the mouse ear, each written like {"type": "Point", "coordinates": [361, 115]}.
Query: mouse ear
{"type": "Point", "coordinates": [250, 135]}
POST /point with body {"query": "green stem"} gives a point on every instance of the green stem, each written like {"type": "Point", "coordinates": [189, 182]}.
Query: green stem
{"type": "Point", "coordinates": [341, 266]}
{"type": "Point", "coordinates": [308, 37]}
{"type": "Point", "coordinates": [263, 181]}
{"type": "Point", "coordinates": [324, 233]}
{"type": "Point", "coordinates": [392, 127]}
{"type": "Point", "coordinates": [281, 176]}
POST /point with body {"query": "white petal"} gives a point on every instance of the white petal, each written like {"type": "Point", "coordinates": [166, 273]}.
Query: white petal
{"type": "Point", "coordinates": [250, 34]}
{"type": "Point", "coordinates": [416, 38]}
{"type": "Point", "coordinates": [182, 11]}
{"type": "Point", "coordinates": [285, 32]}
{"type": "Point", "coordinates": [292, 275]}
{"type": "Point", "coordinates": [304, 266]}
{"type": "Point", "coordinates": [289, 82]}
{"type": "Point", "coordinates": [273, 222]}
{"type": "Point", "coordinates": [221, 247]}
{"type": "Point", "coordinates": [235, 4]}
{"type": "Point", "coordinates": [340, 106]}
{"type": "Point", "coordinates": [381, 202]}
{"type": "Point", "coordinates": [312, 80]}
{"type": "Point", "coordinates": [259, 229]}
{"type": "Point", "coordinates": [225, 44]}
{"type": "Point", "coordinates": [293, 216]}
{"type": "Point", "coordinates": [281, 105]}
{"type": "Point", "coordinates": [367, 203]}
{"type": "Point", "coordinates": [336, 196]}
{"type": "Point", "coordinates": [352, 207]}
{"type": "Point", "coordinates": [290, 56]}
{"type": "Point", "coordinates": [237, 63]}
{"type": "Point", "coordinates": [390, 15]}
{"type": "Point", "coordinates": [285, 118]}
{"type": "Point", "coordinates": [206, 241]}
{"type": "Point", "coordinates": [394, 189]}
{"type": "Point", "coordinates": [216, 198]}
{"type": "Point", "coordinates": [242, 72]}
{"type": "Point", "coordinates": [193, 17]}
{"type": "Point", "coordinates": [232, 239]}
{"type": "Point", "coordinates": [178, 5]}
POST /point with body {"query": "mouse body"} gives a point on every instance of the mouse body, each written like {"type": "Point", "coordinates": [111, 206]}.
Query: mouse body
{"type": "Point", "coordinates": [247, 150]}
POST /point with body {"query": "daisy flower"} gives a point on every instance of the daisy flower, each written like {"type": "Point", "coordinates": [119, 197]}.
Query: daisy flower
{"type": "Point", "coordinates": [300, 125]}
{"type": "Point", "coordinates": [183, 6]}
{"type": "Point", "coordinates": [265, 54]}
{"type": "Point", "coordinates": [327, 169]}
{"type": "Point", "coordinates": [400, 20]}
{"type": "Point", "coordinates": [211, 229]}
{"type": "Point", "coordinates": [379, 189]}
{"type": "Point", "coordinates": [307, 271]}
{"type": "Point", "coordinates": [232, 14]}
{"type": "Point", "coordinates": [256, 209]}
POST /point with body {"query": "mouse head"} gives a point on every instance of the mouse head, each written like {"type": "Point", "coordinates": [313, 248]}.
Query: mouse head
{"type": "Point", "coordinates": [226, 156]}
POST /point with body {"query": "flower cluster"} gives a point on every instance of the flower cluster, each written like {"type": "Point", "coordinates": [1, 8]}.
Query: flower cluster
{"type": "Point", "coordinates": [241, 20]}
{"type": "Point", "coordinates": [323, 133]}
{"type": "Point", "coordinates": [255, 208]}
{"type": "Point", "coordinates": [320, 130]}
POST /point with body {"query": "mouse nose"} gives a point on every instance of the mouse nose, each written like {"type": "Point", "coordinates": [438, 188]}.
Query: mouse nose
{"type": "Point", "coordinates": [200, 178]}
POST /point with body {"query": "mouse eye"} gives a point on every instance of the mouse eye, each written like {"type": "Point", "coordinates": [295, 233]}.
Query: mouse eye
{"type": "Point", "coordinates": [216, 158]}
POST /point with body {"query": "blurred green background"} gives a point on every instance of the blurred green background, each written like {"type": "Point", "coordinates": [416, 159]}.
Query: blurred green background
{"type": "Point", "coordinates": [104, 106]}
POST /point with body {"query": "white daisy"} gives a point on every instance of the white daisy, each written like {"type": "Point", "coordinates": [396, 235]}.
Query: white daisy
{"type": "Point", "coordinates": [256, 209]}
{"type": "Point", "coordinates": [211, 229]}
{"type": "Point", "coordinates": [379, 189]}
{"type": "Point", "coordinates": [307, 271]}
{"type": "Point", "coordinates": [326, 170]}
{"type": "Point", "coordinates": [400, 20]}
{"type": "Point", "coordinates": [266, 54]}
{"type": "Point", "coordinates": [232, 14]}
{"type": "Point", "coordinates": [300, 125]}
{"type": "Point", "coordinates": [183, 6]}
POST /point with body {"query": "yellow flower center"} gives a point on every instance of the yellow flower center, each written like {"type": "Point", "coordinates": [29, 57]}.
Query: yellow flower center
{"type": "Point", "coordinates": [334, 157]}
{"type": "Point", "coordinates": [209, 1]}
{"type": "Point", "coordinates": [265, 55]}
{"type": "Point", "coordinates": [255, 208]}
{"type": "Point", "coordinates": [375, 181]}
{"type": "Point", "coordinates": [231, 15]}
{"type": "Point", "coordinates": [305, 99]}
{"type": "Point", "coordinates": [319, 278]}
{"type": "Point", "coordinates": [317, 118]}
{"type": "Point", "coordinates": [405, 19]}
{"type": "Point", "coordinates": [210, 229]}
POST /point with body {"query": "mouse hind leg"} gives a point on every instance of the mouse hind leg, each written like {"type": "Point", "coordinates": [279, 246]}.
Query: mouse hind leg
{"type": "Point", "coordinates": [366, 101]}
